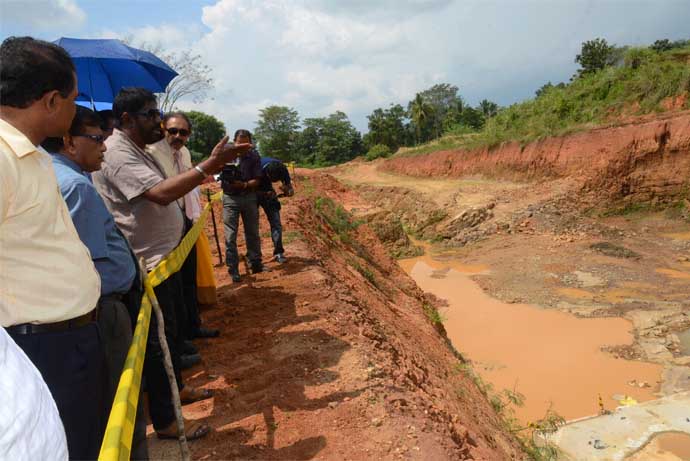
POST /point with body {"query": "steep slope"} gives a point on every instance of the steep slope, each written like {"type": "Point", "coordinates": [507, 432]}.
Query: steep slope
{"type": "Point", "coordinates": [641, 161]}
{"type": "Point", "coordinates": [335, 355]}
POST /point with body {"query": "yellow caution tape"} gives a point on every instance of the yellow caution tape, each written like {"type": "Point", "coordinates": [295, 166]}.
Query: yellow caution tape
{"type": "Point", "coordinates": [117, 442]}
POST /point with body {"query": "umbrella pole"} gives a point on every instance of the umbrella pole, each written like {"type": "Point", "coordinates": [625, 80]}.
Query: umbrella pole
{"type": "Point", "coordinates": [215, 229]}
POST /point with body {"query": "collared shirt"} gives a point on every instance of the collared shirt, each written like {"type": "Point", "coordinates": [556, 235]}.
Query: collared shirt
{"type": "Point", "coordinates": [173, 163]}
{"type": "Point", "coordinates": [46, 273]}
{"type": "Point", "coordinates": [245, 168]}
{"type": "Point", "coordinates": [96, 227]}
{"type": "Point", "coordinates": [163, 154]}
{"type": "Point", "coordinates": [126, 173]}
{"type": "Point", "coordinates": [29, 420]}
{"type": "Point", "coordinates": [250, 165]}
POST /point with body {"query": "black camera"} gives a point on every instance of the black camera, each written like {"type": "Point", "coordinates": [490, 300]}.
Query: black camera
{"type": "Point", "coordinates": [230, 173]}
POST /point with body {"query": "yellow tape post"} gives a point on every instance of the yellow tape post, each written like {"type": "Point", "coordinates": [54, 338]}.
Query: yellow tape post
{"type": "Point", "coordinates": [117, 442]}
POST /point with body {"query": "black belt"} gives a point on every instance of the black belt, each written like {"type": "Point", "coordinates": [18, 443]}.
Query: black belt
{"type": "Point", "coordinates": [71, 324]}
{"type": "Point", "coordinates": [115, 296]}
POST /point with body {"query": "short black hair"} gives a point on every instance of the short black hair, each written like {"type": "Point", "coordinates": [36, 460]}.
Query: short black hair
{"type": "Point", "coordinates": [239, 133]}
{"type": "Point", "coordinates": [178, 114]}
{"type": "Point", "coordinates": [106, 115]}
{"type": "Point", "coordinates": [83, 118]}
{"type": "Point", "coordinates": [30, 68]}
{"type": "Point", "coordinates": [131, 100]}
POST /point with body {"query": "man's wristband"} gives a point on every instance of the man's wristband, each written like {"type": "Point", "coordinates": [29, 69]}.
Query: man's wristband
{"type": "Point", "coordinates": [201, 170]}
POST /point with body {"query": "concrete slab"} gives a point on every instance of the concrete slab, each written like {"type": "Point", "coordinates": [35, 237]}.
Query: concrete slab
{"type": "Point", "coordinates": [618, 435]}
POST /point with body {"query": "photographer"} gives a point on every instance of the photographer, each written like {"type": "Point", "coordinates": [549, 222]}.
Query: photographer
{"type": "Point", "coordinates": [239, 181]}
{"type": "Point", "coordinates": [274, 170]}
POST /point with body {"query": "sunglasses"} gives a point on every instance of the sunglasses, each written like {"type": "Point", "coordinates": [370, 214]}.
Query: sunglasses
{"type": "Point", "coordinates": [152, 113]}
{"type": "Point", "coordinates": [175, 131]}
{"type": "Point", "coordinates": [99, 139]}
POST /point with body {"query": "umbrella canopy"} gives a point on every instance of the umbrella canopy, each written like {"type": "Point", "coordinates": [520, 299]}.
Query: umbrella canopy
{"type": "Point", "coordinates": [105, 66]}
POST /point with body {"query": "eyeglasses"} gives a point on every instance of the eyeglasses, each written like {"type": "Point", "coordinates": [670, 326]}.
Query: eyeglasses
{"type": "Point", "coordinates": [99, 139]}
{"type": "Point", "coordinates": [151, 113]}
{"type": "Point", "coordinates": [174, 131]}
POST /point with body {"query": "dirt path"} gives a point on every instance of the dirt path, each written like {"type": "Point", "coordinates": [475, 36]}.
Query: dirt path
{"type": "Point", "coordinates": [317, 360]}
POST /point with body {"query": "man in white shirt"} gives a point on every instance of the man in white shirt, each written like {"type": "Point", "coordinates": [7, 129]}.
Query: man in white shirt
{"type": "Point", "coordinates": [30, 426]}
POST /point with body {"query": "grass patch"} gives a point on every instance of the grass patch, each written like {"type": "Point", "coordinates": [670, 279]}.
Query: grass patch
{"type": "Point", "coordinates": [534, 437]}
{"type": "Point", "coordinates": [627, 209]}
{"type": "Point", "coordinates": [291, 236]}
{"type": "Point", "coordinates": [365, 272]}
{"type": "Point", "coordinates": [433, 314]}
{"type": "Point", "coordinates": [339, 219]}
{"type": "Point", "coordinates": [639, 86]}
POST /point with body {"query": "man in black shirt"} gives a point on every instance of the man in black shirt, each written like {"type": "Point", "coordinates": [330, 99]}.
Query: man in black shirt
{"type": "Point", "coordinates": [274, 170]}
{"type": "Point", "coordinates": [239, 181]}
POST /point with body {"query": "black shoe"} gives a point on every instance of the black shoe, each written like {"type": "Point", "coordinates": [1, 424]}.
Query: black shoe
{"type": "Point", "coordinates": [280, 258]}
{"type": "Point", "coordinates": [235, 275]}
{"type": "Point", "coordinates": [206, 333]}
{"type": "Point", "coordinates": [189, 360]}
{"type": "Point", "coordinates": [188, 348]}
{"type": "Point", "coordinates": [258, 268]}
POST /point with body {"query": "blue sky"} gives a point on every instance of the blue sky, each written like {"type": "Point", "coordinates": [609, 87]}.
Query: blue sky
{"type": "Point", "coordinates": [319, 56]}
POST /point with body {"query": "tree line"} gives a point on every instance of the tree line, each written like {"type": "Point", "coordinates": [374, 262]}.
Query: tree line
{"type": "Point", "coordinates": [432, 113]}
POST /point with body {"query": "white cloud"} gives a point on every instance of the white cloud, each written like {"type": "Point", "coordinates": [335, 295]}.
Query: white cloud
{"type": "Point", "coordinates": [43, 14]}
{"type": "Point", "coordinates": [319, 56]}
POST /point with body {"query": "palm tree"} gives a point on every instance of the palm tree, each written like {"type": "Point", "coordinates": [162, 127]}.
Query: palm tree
{"type": "Point", "coordinates": [488, 108]}
{"type": "Point", "coordinates": [421, 112]}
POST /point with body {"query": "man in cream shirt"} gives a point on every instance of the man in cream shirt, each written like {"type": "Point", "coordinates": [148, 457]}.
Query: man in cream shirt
{"type": "Point", "coordinates": [49, 286]}
{"type": "Point", "coordinates": [174, 157]}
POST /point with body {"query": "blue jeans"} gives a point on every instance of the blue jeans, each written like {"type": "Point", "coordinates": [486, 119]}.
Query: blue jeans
{"type": "Point", "coordinates": [272, 209]}
{"type": "Point", "coordinates": [246, 206]}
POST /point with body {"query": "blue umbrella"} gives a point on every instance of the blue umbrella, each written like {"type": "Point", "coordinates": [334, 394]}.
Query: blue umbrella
{"type": "Point", "coordinates": [105, 66]}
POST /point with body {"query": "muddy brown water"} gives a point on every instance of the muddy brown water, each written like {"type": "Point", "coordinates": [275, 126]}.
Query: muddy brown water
{"type": "Point", "coordinates": [667, 446]}
{"type": "Point", "coordinates": [553, 358]}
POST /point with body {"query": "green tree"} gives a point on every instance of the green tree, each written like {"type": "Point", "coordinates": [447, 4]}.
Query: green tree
{"type": "Point", "coordinates": [661, 45]}
{"type": "Point", "coordinates": [330, 140]}
{"type": "Point", "coordinates": [378, 151]}
{"type": "Point", "coordinates": [387, 127]}
{"type": "Point", "coordinates": [422, 115]}
{"type": "Point", "coordinates": [488, 108]}
{"type": "Point", "coordinates": [472, 118]}
{"type": "Point", "coordinates": [443, 98]}
{"type": "Point", "coordinates": [276, 132]}
{"type": "Point", "coordinates": [306, 144]}
{"type": "Point", "coordinates": [206, 132]}
{"type": "Point", "coordinates": [595, 55]}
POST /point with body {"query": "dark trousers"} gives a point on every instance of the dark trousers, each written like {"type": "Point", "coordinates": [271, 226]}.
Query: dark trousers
{"type": "Point", "coordinates": [72, 365]}
{"type": "Point", "coordinates": [246, 206]}
{"type": "Point", "coordinates": [272, 210]}
{"type": "Point", "coordinates": [116, 333]}
{"type": "Point", "coordinates": [192, 322]}
{"type": "Point", "coordinates": [171, 299]}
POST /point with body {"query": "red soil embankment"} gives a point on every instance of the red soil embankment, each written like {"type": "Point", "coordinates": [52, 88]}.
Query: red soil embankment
{"type": "Point", "coordinates": [639, 161]}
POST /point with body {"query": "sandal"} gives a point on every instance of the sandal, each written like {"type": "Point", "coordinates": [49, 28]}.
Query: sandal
{"type": "Point", "coordinates": [196, 395]}
{"type": "Point", "coordinates": [193, 430]}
